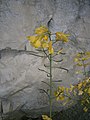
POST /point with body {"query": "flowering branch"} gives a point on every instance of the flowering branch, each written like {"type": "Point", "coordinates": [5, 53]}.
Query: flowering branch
{"type": "Point", "coordinates": [43, 42]}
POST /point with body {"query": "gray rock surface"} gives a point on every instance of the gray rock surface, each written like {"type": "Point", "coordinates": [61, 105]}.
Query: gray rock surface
{"type": "Point", "coordinates": [20, 78]}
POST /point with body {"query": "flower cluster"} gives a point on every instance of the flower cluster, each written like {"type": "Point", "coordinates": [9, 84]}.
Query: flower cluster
{"type": "Point", "coordinates": [81, 58]}
{"type": "Point", "coordinates": [83, 89]}
{"type": "Point", "coordinates": [62, 36]}
{"type": "Point", "coordinates": [64, 93]}
{"type": "Point", "coordinates": [45, 117]}
{"type": "Point", "coordinates": [42, 41]}
{"type": "Point", "coordinates": [59, 93]}
{"type": "Point", "coordinates": [42, 38]}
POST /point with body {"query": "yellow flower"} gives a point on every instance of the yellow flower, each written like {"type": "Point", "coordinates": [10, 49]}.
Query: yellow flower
{"type": "Point", "coordinates": [82, 57]}
{"type": "Point", "coordinates": [62, 36]}
{"type": "Point", "coordinates": [38, 41]}
{"type": "Point", "coordinates": [41, 30]}
{"type": "Point", "coordinates": [50, 48]}
{"type": "Point", "coordinates": [45, 117]}
{"type": "Point", "coordinates": [60, 93]}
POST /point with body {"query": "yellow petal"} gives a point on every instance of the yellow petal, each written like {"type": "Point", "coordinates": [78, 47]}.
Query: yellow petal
{"type": "Point", "coordinates": [55, 93]}
{"type": "Point", "coordinates": [45, 38]}
{"type": "Point", "coordinates": [62, 88]}
{"type": "Point", "coordinates": [41, 30]}
{"type": "Point", "coordinates": [51, 51]}
{"type": "Point", "coordinates": [37, 44]}
{"type": "Point", "coordinates": [62, 36]}
{"type": "Point", "coordinates": [80, 85]}
{"type": "Point", "coordinates": [57, 98]}
{"type": "Point", "coordinates": [31, 38]}
{"type": "Point", "coordinates": [61, 97]}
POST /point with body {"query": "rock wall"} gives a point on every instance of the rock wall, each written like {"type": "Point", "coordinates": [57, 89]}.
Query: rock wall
{"type": "Point", "coordinates": [20, 78]}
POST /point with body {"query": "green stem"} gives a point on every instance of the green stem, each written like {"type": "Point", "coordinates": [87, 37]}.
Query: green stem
{"type": "Point", "coordinates": [50, 100]}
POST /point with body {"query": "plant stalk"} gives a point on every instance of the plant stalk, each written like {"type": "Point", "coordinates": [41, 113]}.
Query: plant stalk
{"type": "Point", "coordinates": [50, 99]}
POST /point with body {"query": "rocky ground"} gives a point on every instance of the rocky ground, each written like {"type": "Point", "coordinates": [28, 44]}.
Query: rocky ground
{"type": "Point", "coordinates": [72, 113]}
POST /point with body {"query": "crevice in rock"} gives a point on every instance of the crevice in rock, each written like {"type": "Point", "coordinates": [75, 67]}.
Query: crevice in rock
{"type": "Point", "coordinates": [14, 52]}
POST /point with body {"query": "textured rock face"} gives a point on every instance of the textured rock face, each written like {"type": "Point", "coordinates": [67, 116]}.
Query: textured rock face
{"type": "Point", "coordinates": [18, 18]}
